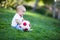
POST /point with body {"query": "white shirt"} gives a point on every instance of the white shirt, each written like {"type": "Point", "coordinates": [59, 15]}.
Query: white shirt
{"type": "Point", "coordinates": [16, 16]}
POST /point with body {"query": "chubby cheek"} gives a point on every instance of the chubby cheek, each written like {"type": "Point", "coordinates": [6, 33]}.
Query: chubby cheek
{"type": "Point", "coordinates": [22, 13]}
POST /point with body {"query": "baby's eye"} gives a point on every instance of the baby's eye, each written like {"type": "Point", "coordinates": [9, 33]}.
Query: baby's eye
{"type": "Point", "coordinates": [23, 11]}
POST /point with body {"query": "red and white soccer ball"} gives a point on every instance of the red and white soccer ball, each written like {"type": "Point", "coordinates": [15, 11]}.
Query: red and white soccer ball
{"type": "Point", "coordinates": [25, 25]}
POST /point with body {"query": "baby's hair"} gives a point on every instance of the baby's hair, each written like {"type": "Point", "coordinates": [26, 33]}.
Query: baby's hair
{"type": "Point", "coordinates": [20, 7]}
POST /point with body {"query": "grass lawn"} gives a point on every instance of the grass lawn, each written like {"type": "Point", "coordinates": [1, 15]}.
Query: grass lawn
{"type": "Point", "coordinates": [44, 28]}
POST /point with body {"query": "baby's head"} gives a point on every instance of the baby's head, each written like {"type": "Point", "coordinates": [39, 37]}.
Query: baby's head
{"type": "Point", "coordinates": [21, 10]}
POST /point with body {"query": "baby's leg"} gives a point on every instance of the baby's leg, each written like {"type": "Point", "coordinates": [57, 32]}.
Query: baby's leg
{"type": "Point", "coordinates": [29, 29]}
{"type": "Point", "coordinates": [18, 27]}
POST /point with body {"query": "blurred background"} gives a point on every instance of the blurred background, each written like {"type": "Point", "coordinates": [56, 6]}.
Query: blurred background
{"type": "Point", "coordinates": [44, 16]}
{"type": "Point", "coordinates": [49, 8]}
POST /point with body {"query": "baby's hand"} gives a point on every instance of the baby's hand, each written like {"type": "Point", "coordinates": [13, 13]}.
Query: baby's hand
{"type": "Point", "coordinates": [22, 20]}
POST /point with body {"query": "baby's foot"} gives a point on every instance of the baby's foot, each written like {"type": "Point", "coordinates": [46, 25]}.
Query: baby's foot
{"type": "Point", "coordinates": [30, 30]}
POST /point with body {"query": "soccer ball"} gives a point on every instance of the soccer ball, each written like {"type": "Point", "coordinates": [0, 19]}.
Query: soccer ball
{"type": "Point", "coordinates": [25, 25]}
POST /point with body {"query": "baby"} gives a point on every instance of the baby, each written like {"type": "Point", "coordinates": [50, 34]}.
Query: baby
{"type": "Point", "coordinates": [18, 17]}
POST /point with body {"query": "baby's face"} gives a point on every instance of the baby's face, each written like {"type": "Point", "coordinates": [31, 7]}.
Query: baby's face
{"type": "Point", "coordinates": [21, 12]}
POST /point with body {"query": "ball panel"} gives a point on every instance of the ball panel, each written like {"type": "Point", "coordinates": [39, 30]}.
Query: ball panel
{"type": "Point", "coordinates": [24, 23]}
{"type": "Point", "coordinates": [25, 29]}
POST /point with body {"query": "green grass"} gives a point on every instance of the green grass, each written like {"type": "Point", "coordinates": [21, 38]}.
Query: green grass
{"type": "Point", "coordinates": [44, 28]}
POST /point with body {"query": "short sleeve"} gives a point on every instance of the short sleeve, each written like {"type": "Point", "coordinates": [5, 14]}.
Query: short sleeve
{"type": "Point", "coordinates": [17, 16]}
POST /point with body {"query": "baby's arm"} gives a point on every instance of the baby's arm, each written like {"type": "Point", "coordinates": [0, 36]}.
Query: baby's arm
{"type": "Point", "coordinates": [18, 22]}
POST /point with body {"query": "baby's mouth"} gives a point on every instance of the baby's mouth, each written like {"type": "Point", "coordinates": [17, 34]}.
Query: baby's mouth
{"type": "Point", "coordinates": [21, 15]}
